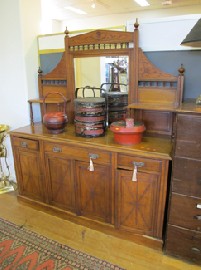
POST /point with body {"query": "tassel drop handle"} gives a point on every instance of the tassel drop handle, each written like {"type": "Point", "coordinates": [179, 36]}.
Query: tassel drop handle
{"type": "Point", "coordinates": [91, 165]}
{"type": "Point", "coordinates": [136, 165]}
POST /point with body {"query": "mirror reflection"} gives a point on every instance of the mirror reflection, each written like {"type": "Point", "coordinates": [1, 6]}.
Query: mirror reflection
{"type": "Point", "coordinates": [107, 77]}
{"type": "Point", "coordinates": [110, 73]}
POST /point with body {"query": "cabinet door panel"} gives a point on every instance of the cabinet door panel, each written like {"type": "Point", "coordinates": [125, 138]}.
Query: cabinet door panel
{"type": "Point", "coordinates": [93, 191]}
{"type": "Point", "coordinates": [60, 183]}
{"type": "Point", "coordinates": [30, 177]}
{"type": "Point", "coordinates": [136, 202]}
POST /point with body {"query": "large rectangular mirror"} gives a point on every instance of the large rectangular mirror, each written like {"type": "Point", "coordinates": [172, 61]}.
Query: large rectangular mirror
{"type": "Point", "coordinates": [108, 72]}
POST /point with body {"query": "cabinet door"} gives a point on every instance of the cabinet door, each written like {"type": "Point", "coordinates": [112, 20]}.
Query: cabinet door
{"type": "Point", "coordinates": [93, 191]}
{"type": "Point", "coordinates": [29, 173]}
{"type": "Point", "coordinates": [60, 184]}
{"type": "Point", "coordinates": [137, 202]}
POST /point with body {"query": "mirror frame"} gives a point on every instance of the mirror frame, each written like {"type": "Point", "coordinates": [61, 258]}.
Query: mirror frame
{"type": "Point", "coordinates": [102, 43]}
{"type": "Point", "coordinates": [150, 88]}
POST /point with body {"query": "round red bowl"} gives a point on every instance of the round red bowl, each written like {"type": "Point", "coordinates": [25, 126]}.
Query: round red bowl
{"type": "Point", "coordinates": [127, 136]}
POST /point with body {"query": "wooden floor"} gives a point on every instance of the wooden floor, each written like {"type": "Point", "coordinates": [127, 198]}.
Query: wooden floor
{"type": "Point", "coordinates": [122, 252]}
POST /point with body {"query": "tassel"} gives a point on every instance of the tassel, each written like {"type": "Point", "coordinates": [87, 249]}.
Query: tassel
{"type": "Point", "coordinates": [134, 177]}
{"type": "Point", "coordinates": [91, 166]}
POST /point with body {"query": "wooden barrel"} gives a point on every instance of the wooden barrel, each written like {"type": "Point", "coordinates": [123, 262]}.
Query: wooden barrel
{"type": "Point", "coordinates": [90, 117]}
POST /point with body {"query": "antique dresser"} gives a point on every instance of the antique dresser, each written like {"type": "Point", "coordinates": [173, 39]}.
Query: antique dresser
{"type": "Point", "coordinates": [163, 203]}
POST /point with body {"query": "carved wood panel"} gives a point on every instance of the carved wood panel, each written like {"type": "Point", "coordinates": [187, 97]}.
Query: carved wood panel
{"type": "Point", "coordinates": [136, 208]}
{"type": "Point", "coordinates": [29, 173]}
{"type": "Point", "coordinates": [93, 190]}
{"type": "Point", "coordinates": [60, 183]}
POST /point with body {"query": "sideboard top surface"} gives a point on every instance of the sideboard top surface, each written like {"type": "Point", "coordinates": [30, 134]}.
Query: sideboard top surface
{"type": "Point", "coordinates": [150, 146]}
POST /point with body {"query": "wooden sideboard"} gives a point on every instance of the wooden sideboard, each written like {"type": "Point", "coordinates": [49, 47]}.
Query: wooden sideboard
{"type": "Point", "coordinates": [162, 206]}
{"type": "Point", "coordinates": [53, 172]}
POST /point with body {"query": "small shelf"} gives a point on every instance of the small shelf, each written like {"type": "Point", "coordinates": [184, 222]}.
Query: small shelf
{"type": "Point", "coordinates": [186, 106]}
{"type": "Point", "coordinates": [48, 100]}
{"type": "Point", "coordinates": [153, 106]}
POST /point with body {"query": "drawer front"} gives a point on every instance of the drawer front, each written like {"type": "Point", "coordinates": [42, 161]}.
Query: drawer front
{"type": "Point", "coordinates": [188, 141]}
{"type": "Point", "coordinates": [26, 143]}
{"type": "Point", "coordinates": [185, 212]}
{"type": "Point", "coordinates": [78, 153]}
{"type": "Point", "coordinates": [183, 243]}
{"type": "Point", "coordinates": [187, 177]}
{"type": "Point", "coordinates": [146, 164]}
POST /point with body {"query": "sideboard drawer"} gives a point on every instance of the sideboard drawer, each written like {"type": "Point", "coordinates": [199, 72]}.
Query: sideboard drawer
{"type": "Point", "coordinates": [185, 212]}
{"type": "Point", "coordinates": [26, 143]}
{"type": "Point", "coordinates": [127, 162]}
{"type": "Point", "coordinates": [188, 129]}
{"type": "Point", "coordinates": [188, 142]}
{"type": "Point", "coordinates": [187, 177]}
{"type": "Point", "coordinates": [183, 243]}
{"type": "Point", "coordinates": [78, 153]}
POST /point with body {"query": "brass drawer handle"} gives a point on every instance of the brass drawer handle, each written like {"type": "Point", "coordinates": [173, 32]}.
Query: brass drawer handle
{"type": "Point", "coordinates": [93, 156]}
{"type": "Point", "coordinates": [138, 164]}
{"type": "Point", "coordinates": [56, 149]}
{"type": "Point", "coordinates": [24, 144]}
{"type": "Point", "coordinates": [198, 206]}
{"type": "Point", "coordinates": [196, 250]}
{"type": "Point", "coordinates": [197, 217]}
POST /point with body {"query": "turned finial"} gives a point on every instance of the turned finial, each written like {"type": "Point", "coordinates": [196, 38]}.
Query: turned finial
{"type": "Point", "coordinates": [40, 71]}
{"type": "Point", "coordinates": [66, 32]}
{"type": "Point", "coordinates": [136, 24]}
{"type": "Point", "coordinates": [181, 70]}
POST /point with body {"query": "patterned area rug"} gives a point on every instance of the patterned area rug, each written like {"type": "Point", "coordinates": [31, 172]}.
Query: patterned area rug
{"type": "Point", "coordinates": [22, 249]}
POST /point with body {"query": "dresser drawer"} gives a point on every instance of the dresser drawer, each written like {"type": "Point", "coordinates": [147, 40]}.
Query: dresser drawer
{"type": "Point", "coordinates": [146, 164]}
{"type": "Point", "coordinates": [183, 243]}
{"type": "Point", "coordinates": [188, 141]}
{"type": "Point", "coordinates": [78, 153]}
{"type": "Point", "coordinates": [187, 177]}
{"type": "Point", "coordinates": [26, 143]}
{"type": "Point", "coordinates": [185, 212]}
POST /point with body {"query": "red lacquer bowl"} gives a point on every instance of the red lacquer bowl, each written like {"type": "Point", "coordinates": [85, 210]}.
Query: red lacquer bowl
{"type": "Point", "coordinates": [127, 136]}
{"type": "Point", "coordinates": [55, 122]}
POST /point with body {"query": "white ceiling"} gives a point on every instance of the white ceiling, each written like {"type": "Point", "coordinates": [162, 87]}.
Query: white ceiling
{"type": "Point", "coordinates": [55, 9]}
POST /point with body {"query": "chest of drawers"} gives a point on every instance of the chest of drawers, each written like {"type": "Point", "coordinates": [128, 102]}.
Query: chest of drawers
{"type": "Point", "coordinates": [183, 237]}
